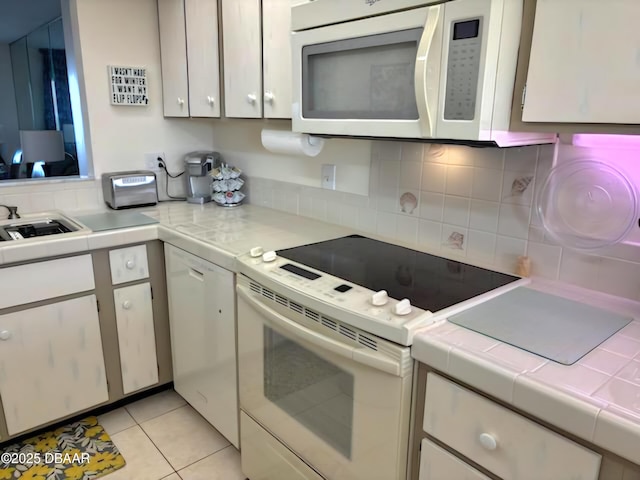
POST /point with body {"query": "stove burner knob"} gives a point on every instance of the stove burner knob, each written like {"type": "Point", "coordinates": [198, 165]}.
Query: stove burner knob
{"type": "Point", "coordinates": [403, 307]}
{"type": "Point", "coordinates": [256, 252]}
{"type": "Point", "coordinates": [380, 298]}
{"type": "Point", "coordinates": [269, 256]}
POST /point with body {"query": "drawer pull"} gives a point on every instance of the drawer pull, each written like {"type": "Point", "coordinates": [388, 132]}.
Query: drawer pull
{"type": "Point", "coordinates": [5, 335]}
{"type": "Point", "coordinates": [489, 442]}
{"type": "Point", "coordinates": [130, 264]}
{"type": "Point", "coordinates": [126, 304]}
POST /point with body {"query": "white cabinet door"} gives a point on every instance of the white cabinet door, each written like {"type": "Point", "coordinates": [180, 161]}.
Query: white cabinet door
{"type": "Point", "coordinates": [203, 58]}
{"type": "Point", "coordinates": [276, 38]}
{"type": "Point", "coordinates": [438, 464]}
{"type": "Point", "coordinates": [242, 47]}
{"type": "Point", "coordinates": [202, 316]}
{"type": "Point", "coordinates": [136, 337]}
{"type": "Point", "coordinates": [584, 64]}
{"type": "Point", "coordinates": [173, 53]}
{"type": "Point", "coordinates": [51, 362]}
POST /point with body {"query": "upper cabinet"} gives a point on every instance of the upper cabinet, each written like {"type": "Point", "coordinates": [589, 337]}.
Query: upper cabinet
{"type": "Point", "coordinates": [190, 58]}
{"type": "Point", "coordinates": [584, 66]}
{"type": "Point", "coordinates": [257, 58]}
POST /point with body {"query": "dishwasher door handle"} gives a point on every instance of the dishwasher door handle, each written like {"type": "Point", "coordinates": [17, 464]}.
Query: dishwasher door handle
{"type": "Point", "coordinates": [359, 355]}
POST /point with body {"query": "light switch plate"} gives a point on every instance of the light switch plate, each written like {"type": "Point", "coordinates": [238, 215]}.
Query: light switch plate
{"type": "Point", "coordinates": [328, 176]}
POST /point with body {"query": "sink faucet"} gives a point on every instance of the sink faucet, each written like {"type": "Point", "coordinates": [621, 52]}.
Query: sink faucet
{"type": "Point", "coordinates": [13, 211]}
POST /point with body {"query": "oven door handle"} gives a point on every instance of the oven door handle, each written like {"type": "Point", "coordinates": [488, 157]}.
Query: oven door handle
{"type": "Point", "coordinates": [360, 355]}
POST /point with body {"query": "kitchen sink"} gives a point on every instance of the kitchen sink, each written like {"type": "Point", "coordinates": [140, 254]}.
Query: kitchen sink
{"type": "Point", "coordinates": [38, 225]}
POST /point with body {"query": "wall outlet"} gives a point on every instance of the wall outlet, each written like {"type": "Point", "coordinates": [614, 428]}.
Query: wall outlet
{"type": "Point", "coordinates": [328, 176]}
{"type": "Point", "coordinates": [151, 161]}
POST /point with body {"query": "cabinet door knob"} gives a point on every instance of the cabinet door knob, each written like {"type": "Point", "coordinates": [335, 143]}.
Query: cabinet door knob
{"type": "Point", "coordinates": [210, 100]}
{"type": "Point", "coordinates": [126, 304]}
{"type": "Point", "coordinates": [5, 335]}
{"type": "Point", "coordinates": [269, 97]}
{"type": "Point", "coordinates": [488, 441]}
{"type": "Point", "coordinates": [180, 101]}
{"type": "Point", "coordinates": [252, 98]}
{"type": "Point", "coordinates": [130, 264]}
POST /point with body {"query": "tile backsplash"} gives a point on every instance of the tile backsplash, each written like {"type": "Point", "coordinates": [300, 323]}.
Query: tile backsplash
{"type": "Point", "coordinates": [464, 203]}
{"type": "Point", "coordinates": [66, 195]}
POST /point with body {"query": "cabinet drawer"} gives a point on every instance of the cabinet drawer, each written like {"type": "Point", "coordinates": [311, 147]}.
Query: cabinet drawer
{"type": "Point", "coordinates": [438, 464]}
{"type": "Point", "coordinates": [128, 264]}
{"type": "Point", "coordinates": [44, 280]}
{"type": "Point", "coordinates": [265, 458]}
{"type": "Point", "coordinates": [522, 449]}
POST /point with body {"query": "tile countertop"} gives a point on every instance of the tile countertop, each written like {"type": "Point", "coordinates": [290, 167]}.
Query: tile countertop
{"type": "Point", "coordinates": [211, 232]}
{"type": "Point", "coordinates": [596, 399]}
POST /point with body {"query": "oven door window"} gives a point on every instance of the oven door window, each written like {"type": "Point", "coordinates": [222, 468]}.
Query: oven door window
{"type": "Point", "coordinates": [316, 393]}
{"type": "Point", "coordinates": [362, 78]}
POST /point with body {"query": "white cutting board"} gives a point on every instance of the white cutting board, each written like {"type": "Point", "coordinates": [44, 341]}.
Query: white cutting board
{"type": "Point", "coordinates": [553, 327]}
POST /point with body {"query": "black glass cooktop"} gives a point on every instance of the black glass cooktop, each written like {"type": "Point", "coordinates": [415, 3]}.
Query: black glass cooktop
{"type": "Point", "coordinates": [429, 282]}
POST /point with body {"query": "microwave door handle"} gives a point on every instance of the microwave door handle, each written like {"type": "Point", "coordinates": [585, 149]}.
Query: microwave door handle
{"type": "Point", "coordinates": [427, 74]}
{"type": "Point", "coordinates": [359, 355]}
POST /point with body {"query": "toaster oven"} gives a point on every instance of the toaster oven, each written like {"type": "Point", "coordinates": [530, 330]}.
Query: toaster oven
{"type": "Point", "coordinates": [129, 189]}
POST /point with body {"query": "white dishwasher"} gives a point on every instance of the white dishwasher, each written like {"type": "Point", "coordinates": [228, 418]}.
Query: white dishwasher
{"type": "Point", "coordinates": [202, 316]}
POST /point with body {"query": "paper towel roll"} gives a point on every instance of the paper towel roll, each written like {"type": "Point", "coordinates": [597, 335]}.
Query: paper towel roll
{"type": "Point", "coordinates": [290, 143]}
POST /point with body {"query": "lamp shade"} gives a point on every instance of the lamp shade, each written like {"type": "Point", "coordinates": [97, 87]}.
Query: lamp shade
{"type": "Point", "coordinates": [42, 146]}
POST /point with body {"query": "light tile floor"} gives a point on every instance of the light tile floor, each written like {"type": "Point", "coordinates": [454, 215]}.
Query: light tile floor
{"type": "Point", "coordinates": [161, 437]}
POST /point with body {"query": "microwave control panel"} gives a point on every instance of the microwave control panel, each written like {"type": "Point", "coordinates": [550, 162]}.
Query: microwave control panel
{"type": "Point", "coordinates": [463, 69]}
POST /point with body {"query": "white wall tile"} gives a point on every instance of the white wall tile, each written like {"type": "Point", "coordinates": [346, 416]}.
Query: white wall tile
{"type": "Point", "coordinates": [65, 200]}
{"type": "Point", "coordinates": [389, 174]}
{"type": "Point", "coordinates": [619, 278]}
{"type": "Point", "coordinates": [430, 233]}
{"type": "Point", "coordinates": [23, 202]}
{"type": "Point", "coordinates": [410, 175]}
{"type": "Point", "coordinates": [387, 151]}
{"type": "Point", "coordinates": [349, 216]}
{"type": "Point", "coordinates": [456, 210]}
{"type": "Point", "coordinates": [454, 239]}
{"type": "Point", "coordinates": [508, 250]}
{"type": "Point", "coordinates": [545, 259]}
{"type": "Point", "coordinates": [487, 184]}
{"type": "Point", "coordinates": [431, 206]}
{"type": "Point", "coordinates": [459, 155]}
{"type": "Point", "coordinates": [306, 206]}
{"type": "Point", "coordinates": [387, 224]}
{"type": "Point", "coordinates": [433, 177]}
{"type": "Point", "coordinates": [513, 221]}
{"type": "Point", "coordinates": [484, 215]}
{"type": "Point", "coordinates": [388, 199]}
{"type": "Point", "coordinates": [409, 202]}
{"type": "Point", "coordinates": [367, 219]}
{"type": "Point", "coordinates": [435, 153]}
{"type": "Point", "coordinates": [536, 234]}
{"type": "Point", "coordinates": [319, 209]}
{"type": "Point", "coordinates": [407, 229]}
{"type": "Point", "coordinates": [412, 152]}
{"type": "Point", "coordinates": [459, 180]}
{"type": "Point", "coordinates": [521, 159]}
{"type": "Point", "coordinates": [489, 158]}
{"type": "Point", "coordinates": [579, 268]}
{"type": "Point", "coordinates": [482, 246]}
{"type": "Point", "coordinates": [517, 187]}
{"type": "Point", "coordinates": [333, 212]}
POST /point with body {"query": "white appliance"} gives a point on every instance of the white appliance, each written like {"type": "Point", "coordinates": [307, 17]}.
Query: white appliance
{"type": "Point", "coordinates": [407, 69]}
{"type": "Point", "coordinates": [324, 364]}
{"type": "Point", "coordinates": [203, 338]}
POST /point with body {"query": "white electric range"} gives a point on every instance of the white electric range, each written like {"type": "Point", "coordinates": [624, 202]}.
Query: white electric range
{"type": "Point", "coordinates": [324, 335]}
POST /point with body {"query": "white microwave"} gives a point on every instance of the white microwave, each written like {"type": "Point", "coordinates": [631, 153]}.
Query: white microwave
{"type": "Point", "coordinates": [407, 69]}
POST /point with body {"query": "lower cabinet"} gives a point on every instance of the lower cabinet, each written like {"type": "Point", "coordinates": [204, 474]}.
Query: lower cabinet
{"type": "Point", "coordinates": [136, 337]}
{"type": "Point", "coordinates": [51, 362]}
{"type": "Point", "coordinates": [438, 464]}
{"type": "Point", "coordinates": [202, 318]}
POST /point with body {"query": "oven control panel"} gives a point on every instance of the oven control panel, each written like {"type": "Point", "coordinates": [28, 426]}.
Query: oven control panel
{"type": "Point", "coordinates": [376, 312]}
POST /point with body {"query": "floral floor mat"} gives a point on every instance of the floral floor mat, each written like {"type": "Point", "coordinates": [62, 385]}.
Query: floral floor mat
{"type": "Point", "coordinates": [79, 451]}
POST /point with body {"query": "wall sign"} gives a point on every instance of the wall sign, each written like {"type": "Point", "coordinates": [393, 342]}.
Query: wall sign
{"type": "Point", "coordinates": [128, 86]}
